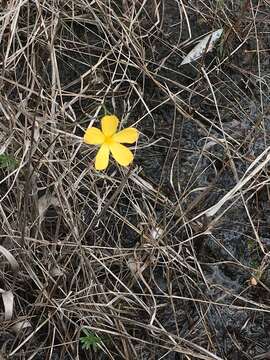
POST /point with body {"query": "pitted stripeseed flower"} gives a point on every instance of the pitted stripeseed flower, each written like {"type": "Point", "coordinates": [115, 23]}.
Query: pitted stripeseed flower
{"type": "Point", "coordinates": [111, 141]}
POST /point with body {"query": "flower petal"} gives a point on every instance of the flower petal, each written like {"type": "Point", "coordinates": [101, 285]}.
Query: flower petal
{"type": "Point", "coordinates": [109, 124]}
{"type": "Point", "coordinates": [128, 136]}
{"type": "Point", "coordinates": [121, 153]}
{"type": "Point", "coordinates": [102, 158]}
{"type": "Point", "coordinates": [93, 136]}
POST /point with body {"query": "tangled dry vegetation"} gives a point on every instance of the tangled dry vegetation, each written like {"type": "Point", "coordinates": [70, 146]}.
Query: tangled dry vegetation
{"type": "Point", "coordinates": [167, 259]}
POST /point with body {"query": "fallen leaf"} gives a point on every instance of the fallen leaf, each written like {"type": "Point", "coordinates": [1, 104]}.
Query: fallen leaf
{"type": "Point", "coordinates": [205, 45]}
{"type": "Point", "coordinates": [20, 325]}
{"type": "Point", "coordinates": [8, 301]}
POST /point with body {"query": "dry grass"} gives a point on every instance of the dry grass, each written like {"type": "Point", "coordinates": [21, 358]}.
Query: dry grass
{"type": "Point", "coordinates": [140, 257]}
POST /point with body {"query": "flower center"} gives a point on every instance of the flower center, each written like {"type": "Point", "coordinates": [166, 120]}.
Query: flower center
{"type": "Point", "coordinates": [108, 140]}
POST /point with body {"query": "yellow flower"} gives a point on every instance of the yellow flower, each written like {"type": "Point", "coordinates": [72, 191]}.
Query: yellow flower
{"type": "Point", "coordinates": [111, 141]}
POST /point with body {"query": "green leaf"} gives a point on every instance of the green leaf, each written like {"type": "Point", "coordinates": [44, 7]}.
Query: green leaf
{"type": "Point", "coordinates": [90, 341]}
{"type": "Point", "coordinates": [7, 162]}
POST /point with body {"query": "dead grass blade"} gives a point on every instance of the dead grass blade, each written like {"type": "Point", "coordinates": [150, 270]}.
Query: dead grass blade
{"type": "Point", "coordinates": [10, 258]}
